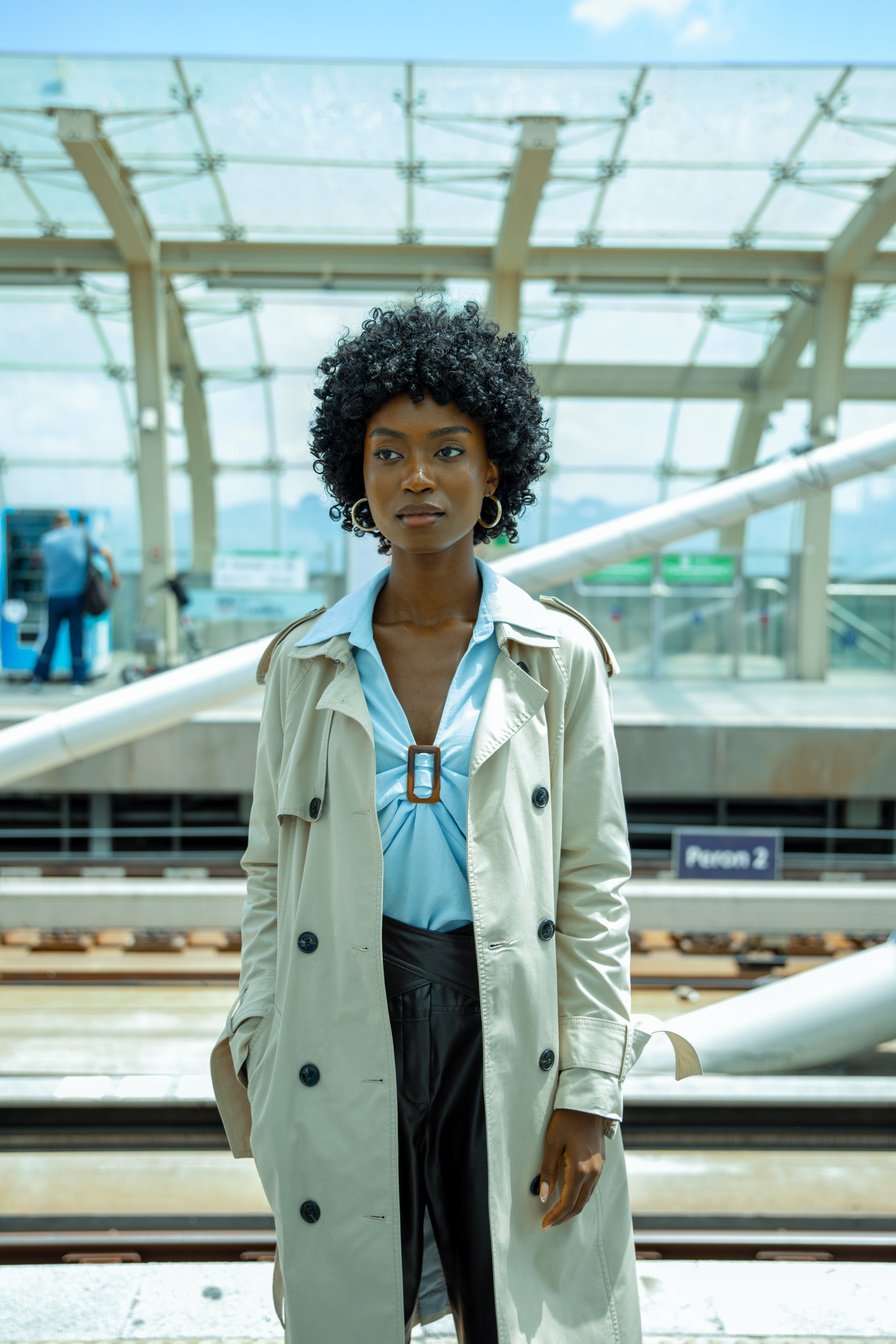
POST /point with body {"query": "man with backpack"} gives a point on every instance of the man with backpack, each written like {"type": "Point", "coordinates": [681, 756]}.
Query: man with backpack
{"type": "Point", "coordinates": [65, 551]}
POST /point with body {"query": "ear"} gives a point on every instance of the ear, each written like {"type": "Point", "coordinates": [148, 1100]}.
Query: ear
{"type": "Point", "coordinates": [492, 476]}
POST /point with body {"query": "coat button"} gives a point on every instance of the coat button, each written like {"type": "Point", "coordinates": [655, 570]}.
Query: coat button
{"type": "Point", "coordinates": [546, 1060]}
{"type": "Point", "coordinates": [524, 666]}
{"type": "Point", "coordinates": [309, 1074]}
{"type": "Point", "coordinates": [314, 808]}
{"type": "Point", "coordinates": [307, 942]}
{"type": "Point", "coordinates": [535, 1184]}
{"type": "Point", "coordinates": [310, 1211]}
{"type": "Point", "coordinates": [546, 930]}
{"type": "Point", "coordinates": [540, 796]}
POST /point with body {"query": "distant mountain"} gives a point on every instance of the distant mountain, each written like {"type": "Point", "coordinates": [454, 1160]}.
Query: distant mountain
{"type": "Point", "coordinates": [862, 543]}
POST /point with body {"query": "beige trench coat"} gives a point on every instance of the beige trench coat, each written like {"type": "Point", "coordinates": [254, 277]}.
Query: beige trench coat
{"type": "Point", "coordinates": [314, 864]}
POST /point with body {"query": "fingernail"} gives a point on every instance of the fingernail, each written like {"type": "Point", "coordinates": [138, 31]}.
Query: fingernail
{"type": "Point", "coordinates": [543, 1193]}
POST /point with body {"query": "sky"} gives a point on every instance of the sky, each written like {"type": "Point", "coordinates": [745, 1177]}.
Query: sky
{"type": "Point", "coordinates": [804, 31]}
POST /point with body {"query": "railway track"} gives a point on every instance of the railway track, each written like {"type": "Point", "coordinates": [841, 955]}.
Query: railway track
{"type": "Point", "coordinates": [660, 960]}
{"type": "Point", "coordinates": [683, 1239]}
{"type": "Point", "coordinates": [778, 1124]}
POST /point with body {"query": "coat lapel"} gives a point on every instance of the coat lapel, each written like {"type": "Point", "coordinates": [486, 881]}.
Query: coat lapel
{"type": "Point", "coordinates": [344, 693]}
{"type": "Point", "coordinates": [513, 694]}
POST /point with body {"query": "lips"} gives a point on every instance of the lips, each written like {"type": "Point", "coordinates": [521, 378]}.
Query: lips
{"type": "Point", "coordinates": [419, 512]}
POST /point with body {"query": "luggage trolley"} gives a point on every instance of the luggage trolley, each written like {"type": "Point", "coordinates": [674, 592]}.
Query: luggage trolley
{"type": "Point", "coordinates": [23, 603]}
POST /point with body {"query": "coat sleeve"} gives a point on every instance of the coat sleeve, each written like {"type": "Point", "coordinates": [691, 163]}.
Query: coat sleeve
{"type": "Point", "coordinates": [258, 963]}
{"type": "Point", "coordinates": [593, 950]}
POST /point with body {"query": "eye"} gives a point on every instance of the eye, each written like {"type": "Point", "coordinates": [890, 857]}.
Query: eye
{"type": "Point", "coordinates": [380, 452]}
{"type": "Point", "coordinates": [450, 448]}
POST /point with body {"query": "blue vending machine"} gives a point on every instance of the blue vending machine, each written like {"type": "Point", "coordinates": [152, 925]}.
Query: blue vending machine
{"type": "Point", "coordinates": [23, 603]}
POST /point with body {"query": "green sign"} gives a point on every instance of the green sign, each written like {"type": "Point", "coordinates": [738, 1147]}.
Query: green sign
{"type": "Point", "coordinates": [715, 571]}
{"type": "Point", "coordinates": [638, 570]}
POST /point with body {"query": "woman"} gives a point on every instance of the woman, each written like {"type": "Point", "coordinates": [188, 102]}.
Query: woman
{"type": "Point", "coordinates": [434, 1021]}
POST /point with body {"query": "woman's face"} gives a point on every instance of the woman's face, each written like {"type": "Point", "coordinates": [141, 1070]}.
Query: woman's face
{"type": "Point", "coordinates": [426, 473]}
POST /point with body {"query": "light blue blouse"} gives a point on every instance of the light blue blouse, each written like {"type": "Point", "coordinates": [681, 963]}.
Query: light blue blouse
{"type": "Point", "coordinates": [424, 844]}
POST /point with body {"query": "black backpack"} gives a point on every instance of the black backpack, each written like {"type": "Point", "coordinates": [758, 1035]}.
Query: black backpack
{"type": "Point", "coordinates": [97, 596]}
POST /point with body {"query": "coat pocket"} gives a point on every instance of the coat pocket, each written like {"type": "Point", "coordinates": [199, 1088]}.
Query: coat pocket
{"type": "Point", "coordinates": [302, 786]}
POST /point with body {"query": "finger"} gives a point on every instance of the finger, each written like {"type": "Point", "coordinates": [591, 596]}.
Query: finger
{"type": "Point", "coordinates": [568, 1195]}
{"type": "Point", "coordinates": [550, 1169]}
{"type": "Point", "coordinates": [562, 1210]}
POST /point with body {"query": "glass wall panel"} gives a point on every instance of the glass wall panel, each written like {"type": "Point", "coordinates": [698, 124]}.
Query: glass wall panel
{"type": "Point", "coordinates": [307, 528]}
{"type": "Point", "coordinates": [317, 203]}
{"type": "Point", "coordinates": [863, 510]}
{"type": "Point", "coordinates": [605, 435]}
{"type": "Point", "coordinates": [634, 331]}
{"type": "Point", "coordinates": [221, 331]}
{"type": "Point", "coordinates": [749, 114]}
{"type": "Point", "coordinates": [300, 109]}
{"type": "Point", "coordinates": [680, 205]}
{"type": "Point", "coordinates": [742, 330]}
{"type": "Point", "coordinates": [237, 420]}
{"type": "Point", "coordinates": [106, 83]}
{"type": "Point", "coordinates": [703, 433]}
{"type": "Point", "coordinates": [248, 511]}
{"type": "Point", "coordinates": [796, 214]}
{"type": "Point", "coordinates": [299, 329]}
{"type": "Point", "coordinates": [44, 327]}
{"type": "Point", "coordinates": [50, 416]}
{"type": "Point", "coordinates": [873, 330]}
{"type": "Point", "coordinates": [294, 405]}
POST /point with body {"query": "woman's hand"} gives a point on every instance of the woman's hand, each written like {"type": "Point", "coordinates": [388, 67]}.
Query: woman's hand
{"type": "Point", "coordinates": [573, 1145]}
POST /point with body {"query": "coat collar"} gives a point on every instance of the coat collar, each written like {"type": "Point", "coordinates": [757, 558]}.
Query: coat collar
{"type": "Point", "coordinates": [510, 609]}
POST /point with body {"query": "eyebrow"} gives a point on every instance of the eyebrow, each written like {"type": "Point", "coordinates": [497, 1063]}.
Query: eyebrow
{"type": "Point", "coordinates": [433, 433]}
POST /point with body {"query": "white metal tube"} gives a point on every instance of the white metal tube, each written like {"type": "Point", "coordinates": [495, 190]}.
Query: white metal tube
{"type": "Point", "coordinates": [813, 1018]}
{"type": "Point", "coordinates": [172, 697]}
{"type": "Point", "coordinates": [161, 701]}
{"type": "Point", "coordinates": [715, 506]}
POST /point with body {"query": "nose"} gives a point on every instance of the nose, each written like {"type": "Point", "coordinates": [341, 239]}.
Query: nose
{"type": "Point", "coordinates": [417, 477]}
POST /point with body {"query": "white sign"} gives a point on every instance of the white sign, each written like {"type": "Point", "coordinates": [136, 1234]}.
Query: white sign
{"type": "Point", "coordinates": [259, 571]}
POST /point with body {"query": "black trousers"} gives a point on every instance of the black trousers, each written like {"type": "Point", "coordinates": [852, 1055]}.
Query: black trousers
{"type": "Point", "coordinates": [433, 992]}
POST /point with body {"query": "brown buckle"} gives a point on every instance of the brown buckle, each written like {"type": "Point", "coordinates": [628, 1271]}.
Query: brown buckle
{"type": "Point", "coordinates": [436, 754]}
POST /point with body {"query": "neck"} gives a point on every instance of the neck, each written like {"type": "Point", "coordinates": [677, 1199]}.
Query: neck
{"type": "Point", "coordinates": [430, 589]}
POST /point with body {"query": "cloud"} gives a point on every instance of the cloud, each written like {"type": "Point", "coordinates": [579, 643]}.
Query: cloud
{"type": "Point", "coordinates": [604, 15]}
{"type": "Point", "coordinates": [698, 30]}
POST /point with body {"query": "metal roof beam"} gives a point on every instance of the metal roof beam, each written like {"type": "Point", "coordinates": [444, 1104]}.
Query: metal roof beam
{"type": "Point", "coordinates": [859, 240]}
{"type": "Point", "coordinates": [535, 151]}
{"type": "Point", "coordinates": [80, 132]}
{"type": "Point", "coordinates": [608, 270]}
{"type": "Point", "coordinates": [703, 382]}
{"type": "Point", "coordinates": [850, 257]}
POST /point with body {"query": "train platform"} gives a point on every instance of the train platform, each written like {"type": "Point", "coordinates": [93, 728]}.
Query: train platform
{"type": "Point", "coordinates": [682, 1302]}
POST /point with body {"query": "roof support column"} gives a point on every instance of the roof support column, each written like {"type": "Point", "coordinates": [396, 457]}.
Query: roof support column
{"type": "Point", "coordinates": [202, 478]}
{"type": "Point", "coordinates": [81, 132]}
{"type": "Point", "coordinates": [831, 333]}
{"type": "Point", "coordinates": [151, 368]}
{"type": "Point", "coordinates": [200, 465]}
{"type": "Point", "coordinates": [774, 376]}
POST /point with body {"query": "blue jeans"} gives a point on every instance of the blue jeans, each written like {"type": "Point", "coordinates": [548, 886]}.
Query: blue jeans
{"type": "Point", "coordinates": [63, 609]}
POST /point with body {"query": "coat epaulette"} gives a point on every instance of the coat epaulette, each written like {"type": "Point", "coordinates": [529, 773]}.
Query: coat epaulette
{"type": "Point", "coordinates": [265, 661]}
{"type": "Point", "coordinates": [608, 655]}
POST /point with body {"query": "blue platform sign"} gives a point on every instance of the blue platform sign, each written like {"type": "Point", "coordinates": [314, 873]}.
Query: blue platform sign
{"type": "Point", "coordinates": [733, 855]}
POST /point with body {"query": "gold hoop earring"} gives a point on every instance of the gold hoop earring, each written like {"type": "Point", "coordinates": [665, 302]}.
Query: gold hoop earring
{"type": "Point", "coordinates": [497, 503]}
{"type": "Point", "coordinates": [355, 523]}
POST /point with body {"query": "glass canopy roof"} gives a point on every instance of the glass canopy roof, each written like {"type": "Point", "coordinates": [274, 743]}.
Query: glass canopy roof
{"type": "Point", "coordinates": [389, 152]}
{"type": "Point", "coordinates": [738, 159]}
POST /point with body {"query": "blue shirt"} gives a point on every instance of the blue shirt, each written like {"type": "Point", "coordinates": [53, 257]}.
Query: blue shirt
{"type": "Point", "coordinates": [64, 552]}
{"type": "Point", "coordinates": [424, 844]}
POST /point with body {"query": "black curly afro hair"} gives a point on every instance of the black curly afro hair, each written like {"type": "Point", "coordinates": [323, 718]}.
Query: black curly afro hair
{"type": "Point", "coordinates": [455, 356]}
